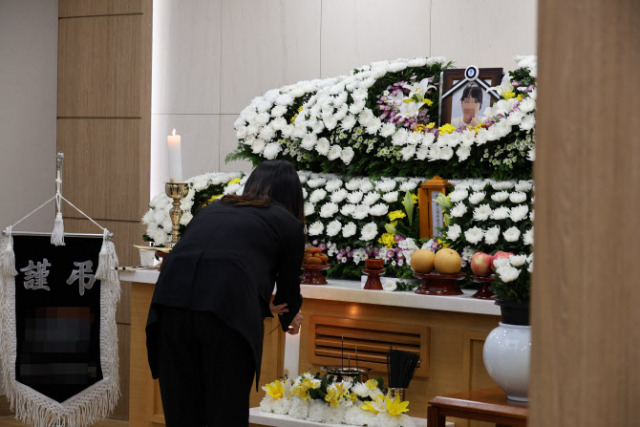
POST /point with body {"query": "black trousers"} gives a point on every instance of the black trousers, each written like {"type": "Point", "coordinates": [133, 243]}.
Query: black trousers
{"type": "Point", "coordinates": [205, 370]}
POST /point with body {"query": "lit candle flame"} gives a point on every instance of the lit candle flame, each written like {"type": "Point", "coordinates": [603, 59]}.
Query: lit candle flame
{"type": "Point", "coordinates": [173, 132]}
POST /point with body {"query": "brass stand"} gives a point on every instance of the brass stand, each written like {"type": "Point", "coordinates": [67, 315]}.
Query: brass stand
{"type": "Point", "coordinates": [177, 191]}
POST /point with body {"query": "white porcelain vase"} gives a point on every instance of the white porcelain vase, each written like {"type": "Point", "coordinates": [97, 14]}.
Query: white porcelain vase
{"type": "Point", "coordinates": [506, 354]}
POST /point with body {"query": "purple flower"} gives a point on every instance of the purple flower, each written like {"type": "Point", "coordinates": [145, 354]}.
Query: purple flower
{"type": "Point", "coordinates": [323, 246]}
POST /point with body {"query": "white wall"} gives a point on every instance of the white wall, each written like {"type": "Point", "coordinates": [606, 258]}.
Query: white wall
{"type": "Point", "coordinates": [28, 82]}
{"type": "Point", "coordinates": [211, 57]}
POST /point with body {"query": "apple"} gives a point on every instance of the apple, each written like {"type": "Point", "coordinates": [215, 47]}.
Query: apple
{"type": "Point", "coordinates": [481, 264]}
{"type": "Point", "coordinates": [499, 255]}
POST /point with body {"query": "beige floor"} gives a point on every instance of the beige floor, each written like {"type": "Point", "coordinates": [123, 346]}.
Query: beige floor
{"type": "Point", "coordinates": [12, 422]}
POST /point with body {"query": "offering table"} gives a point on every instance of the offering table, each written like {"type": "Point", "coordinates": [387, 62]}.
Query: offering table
{"type": "Point", "coordinates": [340, 320]}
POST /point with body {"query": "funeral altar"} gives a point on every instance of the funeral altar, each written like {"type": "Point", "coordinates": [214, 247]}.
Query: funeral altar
{"type": "Point", "coordinates": [413, 172]}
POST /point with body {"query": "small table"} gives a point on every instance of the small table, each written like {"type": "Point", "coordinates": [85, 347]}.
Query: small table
{"type": "Point", "coordinates": [489, 404]}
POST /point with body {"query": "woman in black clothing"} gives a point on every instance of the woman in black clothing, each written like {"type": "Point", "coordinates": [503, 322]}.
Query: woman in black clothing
{"type": "Point", "coordinates": [205, 325]}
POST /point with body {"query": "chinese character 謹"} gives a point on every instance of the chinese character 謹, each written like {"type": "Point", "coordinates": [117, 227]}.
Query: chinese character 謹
{"type": "Point", "coordinates": [82, 275]}
{"type": "Point", "coordinates": [35, 275]}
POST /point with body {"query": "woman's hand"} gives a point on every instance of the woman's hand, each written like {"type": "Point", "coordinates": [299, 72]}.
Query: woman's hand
{"type": "Point", "coordinates": [294, 327]}
{"type": "Point", "coordinates": [278, 309]}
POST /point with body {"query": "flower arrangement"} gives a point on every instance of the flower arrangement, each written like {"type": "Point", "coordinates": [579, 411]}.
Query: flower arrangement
{"type": "Point", "coordinates": [482, 215]}
{"type": "Point", "coordinates": [328, 399]}
{"type": "Point", "coordinates": [513, 278]}
{"type": "Point", "coordinates": [380, 120]}
{"type": "Point", "coordinates": [203, 189]}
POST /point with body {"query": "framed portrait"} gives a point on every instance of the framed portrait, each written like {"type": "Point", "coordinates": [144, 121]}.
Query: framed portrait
{"type": "Point", "coordinates": [466, 93]}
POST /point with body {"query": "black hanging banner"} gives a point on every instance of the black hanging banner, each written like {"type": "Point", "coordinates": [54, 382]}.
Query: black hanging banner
{"type": "Point", "coordinates": [57, 303]}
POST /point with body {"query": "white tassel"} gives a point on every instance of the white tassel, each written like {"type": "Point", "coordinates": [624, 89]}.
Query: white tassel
{"type": "Point", "coordinates": [57, 236]}
{"type": "Point", "coordinates": [108, 260]}
{"type": "Point", "coordinates": [7, 256]}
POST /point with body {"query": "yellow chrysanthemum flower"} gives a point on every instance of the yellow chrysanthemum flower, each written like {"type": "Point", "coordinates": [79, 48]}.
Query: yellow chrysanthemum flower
{"type": "Point", "coordinates": [396, 407]}
{"type": "Point", "coordinates": [387, 239]}
{"type": "Point", "coordinates": [419, 128]}
{"type": "Point", "coordinates": [372, 384]}
{"type": "Point", "coordinates": [299, 108]}
{"type": "Point", "coordinates": [396, 215]}
{"type": "Point", "coordinates": [275, 389]}
{"type": "Point", "coordinates": [519, 97]}
{"type": "Point", "coordinates": [302, 389]}
{"type": "Point", "coordinates": [214, 197]}
{"type": "Point", "coordinates": [508, 95]}
{"type": "Point", "coordinates": [428, 102]}
{"type": "Point", "coordinates": [293, 119]}
{"type": "Point", "coordinates": [431, 125]}
{"type": "Point", "coordinates": [234, 181]}
{"type": "Point", "coordinates": [414, 198]}
{"type": "Point", "coordinates": [443, 243]}
{"type": "Point", "coordinates": [446, 128]}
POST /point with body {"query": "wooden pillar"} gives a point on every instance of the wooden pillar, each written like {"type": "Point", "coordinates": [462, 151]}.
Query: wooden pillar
{"type": "Point", "coordinates": [585, 295]}
{"type": "Point", "coordinates": [103, 128]}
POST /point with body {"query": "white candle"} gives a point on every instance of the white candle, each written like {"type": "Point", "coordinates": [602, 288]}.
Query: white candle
{"type": "Point", "coordinates": [175, 157]}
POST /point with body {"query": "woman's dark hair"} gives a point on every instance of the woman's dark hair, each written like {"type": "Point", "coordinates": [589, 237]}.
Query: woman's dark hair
{"type": "Point", "coordinates": [272, 180]}
{"type": "Point", "coordinates": [473, 90]}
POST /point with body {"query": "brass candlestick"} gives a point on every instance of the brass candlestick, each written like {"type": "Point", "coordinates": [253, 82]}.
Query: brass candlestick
{"type": "Point", "coordinates": [177, 191]}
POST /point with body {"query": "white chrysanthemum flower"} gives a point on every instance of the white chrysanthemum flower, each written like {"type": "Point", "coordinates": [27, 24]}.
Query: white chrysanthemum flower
{"type": "Point", "coordinates": [349, 230]}
{"type": "Point", "coordinates": [334, 228]}
{"type": "Point", "coordinates": [508, 273]}
{"type": "Point", "coordinates": [322, 146]}
{"type": "Point", "coordinates": [232, 189]}
{"type": "Point", "coordinates": [400, 138]}
{"type": "Point", "coordinates": [347, 209]}
{"type": "Point", "coordinates": [355, 197]}
{"type": "Point", "coordinates": [317, 195]}
{"type": "Point", "coordinates": [477, 197]}
{"type": "Point", "coordinates": [267, 133]}
{"type": "Point", "coordinates": [353, 184]}
{"type": "Point", "coordinates": [309, 142]}
{"type": "Point", "coordinates": [333, 185]}
{"type": "Point", "coordinates": [446, 153]}
{"type": "Point", "coordinates": [524, 186]}
{"type": "Point", "coordinates": [379, 210]}
{"type": "Point", "coordinates": [339, 196]}
{"type": "Point", "coordinates": [316, 182]}
{"type": "Point", "coordinates": [408, 186]}
{"type": "Point", "coordinates": [389, 285]}
{"type": "Point", "coordinates": [148, 217]}
{"type": "Point", "coordinates": [474, 235]}
{"type": "Point", "coordinates": [284, 99]}
{"type": "Point", "coordinates": [408, 152]}
{"type": "Point", "coordinates": [303, 176]}
{"type": "Point", "coordinates": [271, 151]}
{"type": "Point", "coordinates": [511, 234]}
{"type": "Point", "coordinates": [348, 122]}
{"type": "Point", "coordinates": [500, 213]}
{"type": "Point", "coordinates": [517, 260]}
{"type": "Point", "coordinates": [458, 195]}
{"type": "Point", "coordinates": [200, 182]}
{"type": "Point", "coordinates": [517, 197]}
{"type": "Point", "coordinates": [453, 232]}
{"type": "Point", "coordinates": [328, 210]}
{"type": "Point", "coordinates": [366, 186]}
{"type": "Point", "coordinates": [334, 152]}
{"type": "Point", "coordinates": [501, 262]}
{"type": "Point", "coordinates": [316, 229]}
{"type": "Point", "coordinates": [360, 212]}
{"type": "Point", "coordinates": [387, 130]}
{"type": "Point", "coordinates": [386, 185]}
{"type": "Point", "coordinates": [369, 232]}
{"type": "Point", "coordinates": [500, 196]}
{"type": "Point", "coordinates": [391, 197]}
{"type": "Point", "coordinates": [518, 213]}
{"type": "Point", "coordinates": [478, 185]}
{"type": "Point", "coordinates": [527, 105]}
{"type": "Point", "coordinates": [309, 208]}
{"type": "Point", "coordinates": [347, 155]}
{"type": "Point", "coordinates": [186, 217]}
{"type": "Point", "coordinates": [527, 238]}
{"type": "Point", "coordinates": [492, 235]}
{"type": "Point", "coordinates": [458, 210]}
{"type": "Point", "coordinates": [278, 110]}
{"type": "Point", "coordinates": [258, 147]}
{"type": "Point", "coordinates": [463, 153]}
{"type": "Point", "coordinates": [370, 198]}
{"type": "Point", "coordinates": [528, 122]}
{"type": "Point", "coordinates": [482, 212]}
{"type": "Point", "coordinates": [502, 185]}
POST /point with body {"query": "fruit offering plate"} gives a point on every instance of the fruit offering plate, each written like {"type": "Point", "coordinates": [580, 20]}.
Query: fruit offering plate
{"type": "Point", "coordinates": [439, 284]}
{"type": "Point", "coordinates": [312, 274]}
{"type": "Point", "coordinates": [485, 291]}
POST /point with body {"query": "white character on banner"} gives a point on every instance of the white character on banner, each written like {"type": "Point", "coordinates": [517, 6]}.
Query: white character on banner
{"type": "Point", "coordinates": [83, 276]}
{"type": "Point", "coordinates": [35, 275]}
